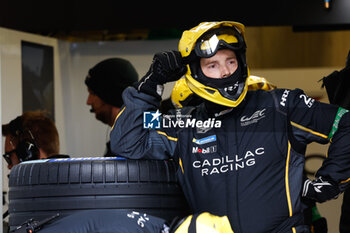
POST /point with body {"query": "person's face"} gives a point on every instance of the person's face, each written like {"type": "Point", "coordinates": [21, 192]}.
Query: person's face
{"type": "Point", "coordinates": [221, 65]}
{"type": "Point", "coordinates": [101, 109]}
{"type": "Point", "coordinates": [9, 146]}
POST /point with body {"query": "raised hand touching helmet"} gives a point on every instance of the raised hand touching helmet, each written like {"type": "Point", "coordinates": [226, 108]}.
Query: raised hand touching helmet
{"type": "Point", "coordinates": [217, 68]}
{"type": "Point", "coordinates": [166, 67]}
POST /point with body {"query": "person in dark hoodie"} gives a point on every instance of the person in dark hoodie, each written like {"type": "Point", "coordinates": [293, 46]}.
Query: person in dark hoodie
{"type": "Point", "coordinates": [105, 82]}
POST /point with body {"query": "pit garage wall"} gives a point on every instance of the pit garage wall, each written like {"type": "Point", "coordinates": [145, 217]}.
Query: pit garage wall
{"type": "Point", "coordinates": [11, 84]}
{"type": "Point", "coordinates": [80, 133]}
{"type": "Point", "coordinates": [11, 76]}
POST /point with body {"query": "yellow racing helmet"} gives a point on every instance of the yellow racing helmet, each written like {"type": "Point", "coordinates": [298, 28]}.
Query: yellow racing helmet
{"type": "Point", "coordinates": [205, 223]}
{"type": "Point", "coordinates": [256, 83]}
{"type": "Point", "coordinates": [203, 41]}
{"type": "Point", "coordinates": [181, 95]}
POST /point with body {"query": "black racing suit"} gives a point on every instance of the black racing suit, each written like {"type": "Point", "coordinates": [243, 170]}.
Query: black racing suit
{"type": "Point", "coordinates": [247, 162]}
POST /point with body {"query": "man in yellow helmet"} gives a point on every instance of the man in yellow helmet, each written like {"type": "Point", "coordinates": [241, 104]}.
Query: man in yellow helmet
{"type": "Point", "coordinates": [240, 152]}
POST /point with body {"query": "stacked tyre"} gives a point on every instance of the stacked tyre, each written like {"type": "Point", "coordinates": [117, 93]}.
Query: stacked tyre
{"type": "Point", "coordinates": [40, 189]}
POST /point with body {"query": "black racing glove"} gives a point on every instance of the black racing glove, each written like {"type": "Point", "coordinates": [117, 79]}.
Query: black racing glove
{"type": "Point", "coordinates": [322, 189]}
{"type": "Point", "coordinates": [166, 67]}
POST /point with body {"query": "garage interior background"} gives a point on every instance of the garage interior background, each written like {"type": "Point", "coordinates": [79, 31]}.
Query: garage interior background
{"type": "Point", "coordinates": [295, 46]}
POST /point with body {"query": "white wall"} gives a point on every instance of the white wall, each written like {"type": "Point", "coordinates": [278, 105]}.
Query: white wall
{"type": "Point", "coordinates": [80, 133]}
{"type": "Point", "coordinates": [11, 83]}
{"type": "Point", "coordinates": [11, 73]}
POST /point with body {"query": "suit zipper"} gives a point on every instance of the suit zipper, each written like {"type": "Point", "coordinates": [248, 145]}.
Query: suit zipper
{"type": "Point", "coordinates": [232, 149]}
{"type": "Point", "coordinates": [237, 175]}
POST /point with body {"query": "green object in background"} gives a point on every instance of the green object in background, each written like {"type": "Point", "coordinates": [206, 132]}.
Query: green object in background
{"type": "Point", "coordinates": [315, 214]}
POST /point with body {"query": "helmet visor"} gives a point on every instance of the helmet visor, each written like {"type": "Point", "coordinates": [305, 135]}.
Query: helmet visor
{"type": "Point", "coordinates": [211, 42]}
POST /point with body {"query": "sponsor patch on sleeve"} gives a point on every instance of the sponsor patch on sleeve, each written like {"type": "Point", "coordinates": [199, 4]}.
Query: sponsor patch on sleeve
{"type": "Point", "coordinates": [205, 140]}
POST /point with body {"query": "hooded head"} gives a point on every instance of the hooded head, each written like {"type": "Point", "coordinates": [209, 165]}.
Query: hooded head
{"type": "Point", "coordinates": [109, 78]}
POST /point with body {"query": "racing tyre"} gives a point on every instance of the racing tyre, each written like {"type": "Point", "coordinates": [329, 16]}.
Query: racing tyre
{"type": "Point", "coordinates": [40, 189]}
